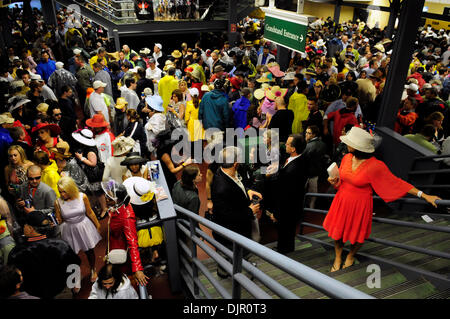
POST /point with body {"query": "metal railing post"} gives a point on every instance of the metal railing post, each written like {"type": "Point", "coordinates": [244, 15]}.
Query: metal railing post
{"type": "Point", "coordinates": [237, 268]}
{"type": "Point", "coordinates": [194, 256]}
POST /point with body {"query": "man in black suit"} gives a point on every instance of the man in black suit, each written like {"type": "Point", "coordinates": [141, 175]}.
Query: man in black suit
{"type": "Point", "coordinates": [232, 202]}
{"type": "Point", "coordinates": [292, 180]}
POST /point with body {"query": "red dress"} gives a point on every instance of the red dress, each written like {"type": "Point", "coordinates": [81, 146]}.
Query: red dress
{"type": "Point", "coordinates": [350, 215]}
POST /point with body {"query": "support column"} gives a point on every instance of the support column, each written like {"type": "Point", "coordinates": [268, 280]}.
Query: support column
{"type": "Point", "coordinates": [337, 11]}
{"type": "Point", "coordinates": [395, 9]}
{"type": "Point", "coordinates": [48, 11]}
{"type": "Point", "coordinates": [410, 19]}
{"type": "Point", "coordinates": [283, 57]}
{"type": "Point", "coordinates": [232, 23]}
{"type": "Point", "coordinates": [115, 34]}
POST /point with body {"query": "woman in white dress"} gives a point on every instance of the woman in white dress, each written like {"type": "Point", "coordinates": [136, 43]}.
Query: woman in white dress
{"type": "Point", "coordinates": [79, 225]}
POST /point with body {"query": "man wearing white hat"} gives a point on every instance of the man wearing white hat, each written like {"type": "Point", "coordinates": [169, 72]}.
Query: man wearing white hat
{"type": "Point", "coordinates": [60, 78]}
{"type": "Point", "coordinates": [158, 55]}
{"type": "Point", "coordinates": [46, 92]}
{"type": "Point", "coordinates": [97, 102]}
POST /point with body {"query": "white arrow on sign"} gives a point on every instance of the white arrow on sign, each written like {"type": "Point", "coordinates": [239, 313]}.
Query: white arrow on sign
{"type": "Point", "coordinates": [301, 38]}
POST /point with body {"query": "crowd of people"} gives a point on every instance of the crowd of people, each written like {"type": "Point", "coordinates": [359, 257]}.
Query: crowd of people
{"type": "Point", "coordinates": [79, 122]}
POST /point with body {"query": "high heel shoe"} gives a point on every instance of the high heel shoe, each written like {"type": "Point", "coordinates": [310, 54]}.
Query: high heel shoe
{"type": "Point", "coordinates": [93, 275]}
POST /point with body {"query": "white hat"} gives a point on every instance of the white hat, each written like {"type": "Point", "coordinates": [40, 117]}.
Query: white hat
{"type": "Point", "coordinates": [193, 91]}
{"type": "Point", "coordinates": [412, 86]}
{"type": "Point", "coordinates": [36, 77]}
{"type": "Point", "coordinates": [19, 104]}
{"type": "Point", "coordinates": [204, 88]}
{"type": "Point", "coordinates": [145, 51]}
{"type": "Point", "coordinates": [359, 139]}
{"type": "Point", "coordinates": [155, 102]}
{"type": "Point", "coordinates": [427, 86]}
{"type": "Point", "coordinates": [320, 43]}
{"type": "Point", "coordinates": [76, 51]}
{"type": "Point", "coordinates": [140, 190]}
{"type": "Point", "coordinates": [158, 45]}
{"type": "Point", "coordinates": [289, 76]}
{"type": "Point", "coordinates": [97, 84]}
{"type": "Point", "coordinates": [59, 65]}
{"type": "Point", "coordinates": [85, 137]}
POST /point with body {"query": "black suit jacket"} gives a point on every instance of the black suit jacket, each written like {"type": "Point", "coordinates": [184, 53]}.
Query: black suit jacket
{"type": "Point", "coordinates": [292, 180]}
{"type": "Point", "coordinates": [44, 265]}
{"type": "Point", "coordinates": [230, 206]}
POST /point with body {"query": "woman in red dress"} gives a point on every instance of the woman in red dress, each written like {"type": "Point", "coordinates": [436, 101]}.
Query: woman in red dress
{"type": "Point", "coordinates": [350, 215]}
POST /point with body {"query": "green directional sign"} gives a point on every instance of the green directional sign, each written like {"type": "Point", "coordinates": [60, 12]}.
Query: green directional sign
{"type": "Point", "coordinates": [286, 33]}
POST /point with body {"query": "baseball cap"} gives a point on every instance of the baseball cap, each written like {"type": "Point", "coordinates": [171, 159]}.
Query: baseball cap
{"type": "Point", "coordinates": [76, 51]}
{"type": "Point", "coordinates": [98, 84]}
{"type": "Point", "coordinates": [36, 218]}
{"type": "Point", "coordinates": [158, 45]}
{"type": "Point", "coordinates": [412, 87]}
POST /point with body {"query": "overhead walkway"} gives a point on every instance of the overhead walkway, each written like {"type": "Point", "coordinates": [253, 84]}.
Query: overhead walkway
{"type": "Point", "coordinates": [120, 16]}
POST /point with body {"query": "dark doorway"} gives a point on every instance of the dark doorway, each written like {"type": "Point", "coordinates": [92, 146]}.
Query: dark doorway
{"type": "Point", "coordinates": [361, 14]}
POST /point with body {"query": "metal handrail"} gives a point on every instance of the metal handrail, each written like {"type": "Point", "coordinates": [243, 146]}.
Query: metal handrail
{"type": "Point", "coordinates": [431, 171]}
{"type": "Point", "coordinates": [314, 278]}
{"type": "Point", "coordinates": [393, 222]}
{"type": "Point", "coordinates": [409, 200]}
{"type": "Point", "coordinates": [423, 158]}
{"type": "Point", "coordinates": [109, 14]}
{"type": "Point", "coordinates": [277, 288]}
{"type": "Point", "coordinates": [391, 243]}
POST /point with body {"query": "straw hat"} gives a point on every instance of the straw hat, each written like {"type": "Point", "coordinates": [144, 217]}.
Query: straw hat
{"type": "Point", "coordinates": [54, 128]}
{"type": "Point", "coordinates": [140, 190]}
{"type": "Point", "coordinates": [85, 137]}
{"type": "Point", "coordinates": [177, 54]}
{"type": "Point", "coordinates": [133, 158]}
{"type": "Point", "coordinates": [266, 77]}
{"type": "Point", "coordinates": [42, 107]}
{"type": "Point", "coordinates": [121, 103]}
{"type": "Point", "coordinates": [260, 93]}
{"type": "Point", "coordinates": [311, 71]}
{"type": "Point", "coordinates": [98, 120]}
{"type": "Point", "coordinates": [360, 140]}
{"type": "Point", "coordinates": [275, 91]}
{"type": "Point", "coordinates": [205, 88]}
{"type": "Point", "coordinates": [122, 145]}
{"type": "Point", "coordinates": [61, 150]}
{"type": "Point", "coordinates": [169, 64]}
{"type": "Point", "coordinates": [5, 119]}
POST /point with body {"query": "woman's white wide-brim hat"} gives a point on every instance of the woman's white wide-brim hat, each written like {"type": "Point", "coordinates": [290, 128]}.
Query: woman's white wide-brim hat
{"type": "Point", "coordinates": [140, 190]}
{"type": "Point", "coordinates": [359, 139]}
{"type": "Point", "coordinates": [85, 137]}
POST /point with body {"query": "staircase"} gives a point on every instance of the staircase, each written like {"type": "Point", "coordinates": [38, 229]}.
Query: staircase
{"type": "Point", "coordinates": [395, 283]}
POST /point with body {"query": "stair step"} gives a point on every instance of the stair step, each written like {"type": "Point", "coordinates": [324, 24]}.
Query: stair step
{"type": "Point", "coordinates": [440, 295]}
{"type": "Point", "coordinates": [399, 288]}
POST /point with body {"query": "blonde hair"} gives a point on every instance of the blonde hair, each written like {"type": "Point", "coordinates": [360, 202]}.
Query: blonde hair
{"type": "Point", "coordinates": [20, 150]}
{"type": "Point", "coordinates": [67, 184]}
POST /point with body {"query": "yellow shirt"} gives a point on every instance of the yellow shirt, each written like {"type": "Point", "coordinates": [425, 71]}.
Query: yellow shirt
{"type": "Point", "coordinates": [94, 59]}
{"type": "Point", "coordinates": [165, 88]}
{"type": "Point", "coordinates": [298, 103]}
{"type": "Point", "coordinates": [194, 126]}
{"type": "Point", "coordinates": [50, 176]}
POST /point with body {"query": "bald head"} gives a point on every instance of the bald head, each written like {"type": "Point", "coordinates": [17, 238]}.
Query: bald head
{"type": "Point", "coordinates": [34, 169]}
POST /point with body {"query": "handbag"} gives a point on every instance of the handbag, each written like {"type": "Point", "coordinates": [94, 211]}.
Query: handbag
{"type": "Point", "coordinates": [115, 256]}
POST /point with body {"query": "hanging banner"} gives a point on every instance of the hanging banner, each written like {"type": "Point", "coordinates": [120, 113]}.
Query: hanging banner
{"type": "Point", "coordinates": [286, 29]}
